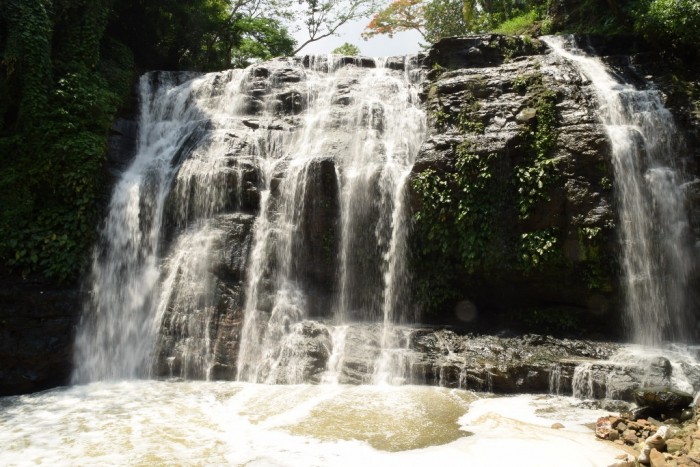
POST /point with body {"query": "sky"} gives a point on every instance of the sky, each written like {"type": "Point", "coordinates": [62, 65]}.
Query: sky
{"type": "Point", "coordinates": [379, 46]}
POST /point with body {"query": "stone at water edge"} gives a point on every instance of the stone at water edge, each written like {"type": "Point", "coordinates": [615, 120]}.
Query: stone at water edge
{"type": "Point", "coordinates": [630, 437]}
{"type": "Point", "coordinates": [657, 459]}
{"type": "Point", "coordinates": [662, 398]}
{"type": "Point", "coordinates": [557, 426]}
{"type": "Point", "coordinates": [623, 464]}
{"type": "Point", "coordinates": [687, 414]}
{"type": "Point", "coordinates": [644, 413]}
{"type": "Point", "coordinates": [603, 428]}
{"type": "Point", "coordinates": [674, 445]}
{"type": "Point", "coordinates": [656, 441]}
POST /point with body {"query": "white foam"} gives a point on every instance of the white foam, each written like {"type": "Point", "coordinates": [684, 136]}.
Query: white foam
{"type": "Point", "coordinates": [165, 423]}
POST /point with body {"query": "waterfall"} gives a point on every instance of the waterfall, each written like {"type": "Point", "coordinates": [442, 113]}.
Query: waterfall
{"type": "Point", "coordinates": [362, 130]}
{"type": "Point", "coordinates": [656, 256]}
{"type": "Point", "coordinates": [258, 199]}
{"type": "Point", "coordinates": [118, 329]}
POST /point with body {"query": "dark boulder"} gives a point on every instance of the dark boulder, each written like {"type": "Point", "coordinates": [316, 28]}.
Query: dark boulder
{"type": "Point", "coordinates": [663, 399]}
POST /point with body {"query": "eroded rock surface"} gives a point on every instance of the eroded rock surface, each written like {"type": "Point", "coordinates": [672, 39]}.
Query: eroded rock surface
{"type": "Point", "coordinates": [514, 135]}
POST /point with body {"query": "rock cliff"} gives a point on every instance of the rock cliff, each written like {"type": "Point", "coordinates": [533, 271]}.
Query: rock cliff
{"type": "Point", "coordinates": [520, 225]}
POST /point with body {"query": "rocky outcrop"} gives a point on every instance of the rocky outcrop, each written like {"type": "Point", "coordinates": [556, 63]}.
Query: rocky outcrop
{"type": "Point", "coordinates": [37, 325]}
{"type": "Point", "coordinates": [440, 357]}
{"type": "Point", "coordinates": [515, 138]}
{"type": "Point", "coordinates": [367, 353]}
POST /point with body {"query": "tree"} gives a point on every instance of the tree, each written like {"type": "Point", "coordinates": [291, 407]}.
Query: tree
{"type": "Point", "coordinates": [673, 22]}
{"type": "Point", "coordinates": [347, 49]}
{"type": "Point", "coordinates": [400, 15]}
{"type": "Point", "coordinates": [324, 17]}
{"type": "Point", "coordinates": [444, 18]}
{"type": "Point", "coordinates": [433, 19]}
{"type": "Point", "coordinates": [201, 34]}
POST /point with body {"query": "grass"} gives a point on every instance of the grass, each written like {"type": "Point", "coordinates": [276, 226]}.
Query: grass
{"type": "Point", "coordinates": [522, 24]}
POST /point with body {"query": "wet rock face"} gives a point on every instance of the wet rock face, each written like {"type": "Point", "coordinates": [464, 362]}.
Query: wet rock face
{"type": "Point", "coordinates": [515, 135]}
{"type": "Point", "coordinates": [531, 363]}
{"type": "Point", "coordinates": [303, 355]}
{"type": "Point", "coordinates": [199, 339]}
{"type": "Point", "coordinates": [317, 262]}
{"type": "Point", "coordinates": [360, 352]}
{"type": "Point", "coordinates": [37, 325]}
{"type": "Point", "coordinates": [503, 365]}
{"type": "Point", "coordinates": [662, 400]}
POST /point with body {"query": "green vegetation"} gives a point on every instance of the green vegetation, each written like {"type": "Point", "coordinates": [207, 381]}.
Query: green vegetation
{"type": "Point", "coordinates": [347, 49]}
{"type": "Point", "coordinates": [67, 68]}
{"type": "Point", "coordinates": [538, 248]}
{"type": "Point", "coordinates": [521, 24]}
{"type": "Point", "coordinates": [673, 22]}
{"type": "Point", "coordinates": [666, 23]}
{"type": "Point", "coordinates": [453, 228]}
{"type": "Point", "coordinates": [471, 214]}
{"type": "Point", "coordinates": [538, 171]}
{"type": "Point", "coordinates": [61, 85]}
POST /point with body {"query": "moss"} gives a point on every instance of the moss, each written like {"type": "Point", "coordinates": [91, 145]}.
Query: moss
{"type": "Point", "coordinates": [441, 118]}
{"type": "Point", "coordinates": [532, 83]}
{"type": "Point", "coordinates": [538, 171]}
{"type": "Point", "coordinates": [539, 248]}
{"type": "Point", "coordinates": [597, 267]}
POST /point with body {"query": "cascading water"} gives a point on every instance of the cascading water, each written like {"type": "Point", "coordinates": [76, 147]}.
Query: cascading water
{"type": "Point", "coordinates": [322, 153]}
{"type": "Point", "coordinates": [118, 330]}
{"type": "Point", "coordinates": [368, 169]}
{"type": "Point", "coordinates": [656, 255]}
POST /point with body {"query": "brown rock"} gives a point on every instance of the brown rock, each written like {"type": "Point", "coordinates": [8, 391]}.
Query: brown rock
{"type": "Point", "coordinates": [657, 459]}
{"type": "Point", "coordinates": [674, 445]}
{"type": "Point", "coordinates": [559, 426]}
{"type": "Point", "coordinates": [603, 427]}
{"type": "Point", "coordinates": [685, 460]}
{"type": "Point", "coordinates": [613, 435]}
{"type": "Point", "coordinates": [630, 437]}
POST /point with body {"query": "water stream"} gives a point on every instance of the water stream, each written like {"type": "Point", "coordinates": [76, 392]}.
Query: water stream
{"type": "Point", "coordinates": [656, 251]}
{"type": "Point", "coordinates": [320, 153]}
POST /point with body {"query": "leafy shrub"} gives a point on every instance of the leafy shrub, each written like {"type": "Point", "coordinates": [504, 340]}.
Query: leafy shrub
{"type": "Point", "coordinates": [676, 22]}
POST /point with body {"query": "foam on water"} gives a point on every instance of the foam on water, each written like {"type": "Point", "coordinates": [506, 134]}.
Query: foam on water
{"type": "Point", "coordinates": [226, 423]}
